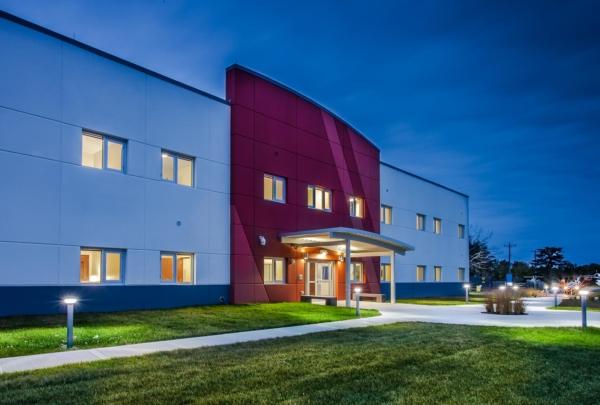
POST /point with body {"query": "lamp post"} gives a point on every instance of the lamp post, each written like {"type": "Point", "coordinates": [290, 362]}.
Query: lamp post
{"type": "Point", "coordinates": [555, 291]}
{"type": "Point", "coordinates": [466, 286]}
{"type": "Point", "coordinates": [70, 302]}
{"type": "Point", "coordinates": [583, 294]}
{"type": "Point", "coordinates": [357, 291]}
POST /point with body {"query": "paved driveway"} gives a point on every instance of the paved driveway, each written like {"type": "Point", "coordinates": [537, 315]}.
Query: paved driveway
{"type": "Point", "coordinates": [537, 314]}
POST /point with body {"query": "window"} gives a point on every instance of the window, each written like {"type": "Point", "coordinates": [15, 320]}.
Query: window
{"type": "Point", "coordinates": [438, 273]}
{"type": "Point", "coordinates": [385, 272]}
{"type": "Point", "coordinates": [461, 274]}
{"type": "Point", "coordinates": [177, 268]}
{"type": "Point", "coordinates": [177, 168]}
{"type": "Point", "coordinates": [461, 231]}
{"type": "Point", "coordinates": [100, 265]}
{"type": "Point", "coordinates": [385, 214]}
{"type": "Point", "coordinates": [356, 207]}
{"type": "Point", "coordinates": [356, 272]}
{"type": "Point", "coordinates": [273, 188]}
{"type": "Point", "coordinates": [437, 225]}
{"type": "Point", "coordinates": [420, 273]}
{"type": "Point", "coordinates": [102, 152]}
{"type": "Point", "coordinates": [273, 270]}
{"type": "Point", "coordinates": [420, 222]}
{"type": "Point", "coordinates": [318, 198]}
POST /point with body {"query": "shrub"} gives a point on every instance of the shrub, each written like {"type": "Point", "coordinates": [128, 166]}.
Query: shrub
{"type": "Point", "coordinates": [505, 302]}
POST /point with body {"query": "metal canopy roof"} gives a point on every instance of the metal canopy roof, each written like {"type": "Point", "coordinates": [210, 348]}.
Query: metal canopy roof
{"type": "Point", "coordinates": [363, 243]}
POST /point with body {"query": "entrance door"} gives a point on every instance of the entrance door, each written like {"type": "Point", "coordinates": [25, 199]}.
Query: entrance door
{"type": "Point", "coordinates": [324, 279]}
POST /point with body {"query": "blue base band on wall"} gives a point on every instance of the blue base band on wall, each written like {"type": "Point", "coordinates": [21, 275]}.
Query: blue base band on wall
{"type": "Point", "coordinates": [417, 290]}
{"type": "Point", "coordinates": [41, 300]}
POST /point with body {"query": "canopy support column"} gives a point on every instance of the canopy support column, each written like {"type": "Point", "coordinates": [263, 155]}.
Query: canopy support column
{"type": "Point", "coordinates": [348, 269]}
{"type": "Point", "coordinates": [392, 278]}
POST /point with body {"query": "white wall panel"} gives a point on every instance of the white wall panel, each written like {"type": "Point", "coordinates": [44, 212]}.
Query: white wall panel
{"type": "Point", "coordinates": [29, 134]}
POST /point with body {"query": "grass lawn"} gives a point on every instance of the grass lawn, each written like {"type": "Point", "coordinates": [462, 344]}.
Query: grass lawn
{"type": "Point", "coordinates": [39, 334]}
{"type": "Point", "coordinates": [474, 298]}
{"type": "Point", "coordinates": [399, 363]}
{"type": "Point", "coordinates": [571, 304]}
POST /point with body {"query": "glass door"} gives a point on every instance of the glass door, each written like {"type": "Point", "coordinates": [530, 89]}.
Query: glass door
{"type": "Point", "coordinates": [324, 284]}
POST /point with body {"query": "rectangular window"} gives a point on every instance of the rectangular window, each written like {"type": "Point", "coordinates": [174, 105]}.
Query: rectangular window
{"type": "Point", "coordinates": [385, 214]}
{"type": "Point", "coordinates": [461, 274]}
{"type": "Point", "coordinates": [274, 270]}
{"type": "Point", "coordinates": [318, 198]}
{"type": "Point", "coordinates": [273, 188]}
{"type": "Point", "coordinates": [177, 168]}
{"type": "Point", "coordinates": [420, 273]}
{"type": "Point", "coordinates": [420, 222]}
{"type": "Point", "coordinates": [102, 152]}
{"type": "Point", "coordinates": [356, 272]}
{"type": "Point", "coordinates": [356, 207]}
{"type": "Point", "coordinates": [461, 231]}
{"type": "Point", "coordinates": [177, 268]}
{"type": "Point", "coordinates": [438, 273]}
{"type": "Point", "coordinates": [100, 265]}
{"type": "Point", "coordinates": [437, 226]}
{"type": "Point", "coordinates": [385, 272]}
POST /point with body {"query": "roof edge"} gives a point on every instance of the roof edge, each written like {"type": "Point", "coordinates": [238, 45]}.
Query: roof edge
{"type": "Point", "coordinates": [302, 96]}
{"type": "Point", "coordinates": [423, 178]}
{"type": "Point", "coordinates": [89, 48]}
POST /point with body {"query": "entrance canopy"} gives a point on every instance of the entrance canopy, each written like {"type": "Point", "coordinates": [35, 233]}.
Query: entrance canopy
{"type": "Point", "coordinates": [362, 243]}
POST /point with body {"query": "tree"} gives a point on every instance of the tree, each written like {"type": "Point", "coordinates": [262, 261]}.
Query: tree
{"type": "Point", "coordinates": [481, 260]}
{"type": "Point", "coordinates": [520, 270]}
{"type": "Point", "coordinates": [549, 259]}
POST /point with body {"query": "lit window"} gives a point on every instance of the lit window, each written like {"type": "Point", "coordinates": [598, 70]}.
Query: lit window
{"type": "Point", "coordinates": [356, 207]}
{"type": "Point", "coordinates": [437, 225]}
{"type": "Point", "coordinates": [102, 152]}
{"type": "Point", "coordinates": [385, 214]}
{"type": "Point", "coordinates": [177, 267]}
{"type": "Point", "coordinates": [319, 198]}
{"type": "Point", "coordinates": [273, 270]}
{"type": "Point", "coordinates": [420, 273]}
{"type": "Point", "coordinates": [273, 188]}
{"type": "Point", "coordinates": [385, 272]}
{"type": "Point", "coordinates": [461, 274]}
{"type": "Point", "coordinates": [461, 231]}
{"type": "Point", "coordinates": [177, 168]}
{"type": "Point", "coordinates": [98, 265]}
{"type": "Point", "coordinates": [356, 272]}
{"type": "Point", "coordinates": [420, 222]}
{"type": "Point", "coordinates": [438, 273]}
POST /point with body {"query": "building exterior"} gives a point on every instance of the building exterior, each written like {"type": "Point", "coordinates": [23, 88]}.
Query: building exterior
{"type": "Point", "coordinates": [131, 190]}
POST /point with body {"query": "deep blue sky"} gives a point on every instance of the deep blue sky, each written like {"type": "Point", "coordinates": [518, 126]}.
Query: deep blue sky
{"type": "Point", "coordinates": [500, 101]}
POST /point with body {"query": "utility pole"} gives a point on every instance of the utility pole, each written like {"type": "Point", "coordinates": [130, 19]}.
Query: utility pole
{"type": "Point", "coordinates": [509, 274]}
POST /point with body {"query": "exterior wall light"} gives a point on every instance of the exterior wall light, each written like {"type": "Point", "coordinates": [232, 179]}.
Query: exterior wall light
{"type": "Point", "coordinates": [70, 303]}
{"type": "Point", "coordinates": [357, 292]}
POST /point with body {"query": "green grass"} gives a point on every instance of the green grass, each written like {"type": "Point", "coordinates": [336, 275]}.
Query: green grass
{"type": "Point", "coordinates": [40, 334]}
{"type": "Point", "coordinates": [399, 363]}
{"type": "Point", "coordinates": [573, 304]}
{"type": "Point", "coordinates": [473, 299]}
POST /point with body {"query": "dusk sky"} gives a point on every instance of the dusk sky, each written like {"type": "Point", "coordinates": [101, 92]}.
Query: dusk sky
{"type": "Point", "coordinates": [499, 101]}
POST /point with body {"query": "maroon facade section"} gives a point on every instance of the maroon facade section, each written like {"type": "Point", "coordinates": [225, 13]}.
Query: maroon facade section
{"type": "Point", "coordinates": [276, 131]}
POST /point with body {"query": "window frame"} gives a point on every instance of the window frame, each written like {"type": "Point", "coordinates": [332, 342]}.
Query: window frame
{"type": "Point", "coordinates": [424, 268]}
{"type": "Point", "coordinates": [436, 221]}
{"type": "Point", "coordinates": [103, 252]}
{"type": "Point", "coordinates": [423, 217]}
{"type": "Point", "coordinates": [464, 273]}
{"type": "Point", "coordinates": [176, 157]}
{"type": "Point", "coordinates": [382, 214]}
{"type": "Point", "coordinates": [352, 272]}
{"type": "Point", "coordinates": [274, 179]}
{"type": "Point", "coordinates": [174, 268]}
{"type": "Point", "coordinates": [314, 197]}
{"type": "Point", "coordinates": [461, 231]}
{"type": "Point", "coordinates": [352, 203]}
{"type": "Point", "coordinates": [105, 140]}
{"type": "Point", "coordinates": [435, 274]}
{"type": "Point", "coordinates": [383, 273]}
{"type": "Point", "coordinates": [274, 260]}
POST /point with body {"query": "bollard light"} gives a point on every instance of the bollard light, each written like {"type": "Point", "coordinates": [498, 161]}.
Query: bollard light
{"type": "Point", "coordinates": [502, 288]}
{"type": "Point", "coordinates": [584, 294]}
{"type": "Point", "coordinates": [357, 292]}
{"type": "Point", "coordinates": [516, 287]}
{"type": "Point", "coordinates": [555, 291]}
{"type": "Point", "coordinates": [70, 302]}
{"type": "Point", "coordinates": [466, 286]}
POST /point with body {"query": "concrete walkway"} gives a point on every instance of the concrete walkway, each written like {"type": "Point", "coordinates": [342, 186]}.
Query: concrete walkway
{"type": "Point", "coordinates": [537, 316]}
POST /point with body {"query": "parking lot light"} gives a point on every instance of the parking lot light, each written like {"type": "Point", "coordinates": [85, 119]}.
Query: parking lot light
{"type": "Point", "coordinates": [584, 294]}
{"type": "Point", "coordinates": [70, 302]}
{"type": "Point", "coordinates": [466, 286]}
{"type": "Point", "coordinates": [357, 292]}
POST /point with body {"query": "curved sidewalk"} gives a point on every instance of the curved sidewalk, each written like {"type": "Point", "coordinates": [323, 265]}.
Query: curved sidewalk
{"type": "Point", "coordinates": [537, 316]}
